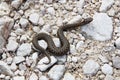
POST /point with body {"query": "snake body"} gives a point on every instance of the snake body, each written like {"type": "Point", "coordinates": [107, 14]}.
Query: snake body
{"type": "Point", "coordinates": [65, 46]}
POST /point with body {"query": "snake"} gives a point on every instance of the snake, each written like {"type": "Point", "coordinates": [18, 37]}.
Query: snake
{"type": "Point", "coordinates": [65, 45]}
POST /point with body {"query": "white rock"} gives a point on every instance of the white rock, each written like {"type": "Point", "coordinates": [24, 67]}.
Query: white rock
{"type": "Point", "coordinates": [74, 59]}
{"type": "Point", "coordinates": [117, 43]}
{"type": "Point", "coordinates": [109, 77]}
{"type": "Point", "coordinates": [76, 19]}
{"type": "Point", "coordinates": [34, 18]}
{"type": "Point", "coordinates": [5, 69]}
{"type": "Point", "coordinates": [43, 78]}
{"type": "Point", "coordinates": [9, 60]}
{"type": "Point", "coordinates": [107, 69]}
{"type": "Point", "coordinates": [43, 44]}
{"type": "Point", "coordinates": [35, 56]}
{"type": "Point", "coordinates": [59, 22]}
{"type": "Point", "coordinates": [2, 76]}
{"type": "Point", "coordinates": [24, 22]}
{"type": "Point", "coordinates": [19, 31]}
{"type": "Point", "coordinates": [16, 3]}
{"type": "Point", "coordinates": [72, 49]}
{"type": "Point", "coordinates": [42, 67]}
{"type": "Point", "coordinates": [24, 49]}
{"type": "Point", "coordinates": [18, 59]}
{"type": "Point", "coordinates": [49, 1]}
{"type": "Point", "coordinates": [22, 67]}
{"type": "Point", "coordinates": [103, 59]}
{"type": "Point", "coordinates": [106, 4]}
{"type": "Point", "coordinates": [100, 28]}
{"type": "Point", "coordinates": [56, 72]}
{"type": "Point", "coordinates": [79, 44]}
{"type": "Point", "coordinates": [41, 21]}
{"type": "Point", "coordinates": [12, 45]}
{"type": "Point", "coordinates": [61, 58]}
{"type": "Point", "coordinates": [51, 11]}
{"type": "Point", "coordinates": [23, 38]}
{"type": "Point", "coordinates": [36, 29]}
{"type": "Point", "coordinates": [80, 4]}
{"type": "Point", "coordinates": [19, 78]}
{"type": "Point", "coordinates": [4, 8]}
{"type": "Point", "coordinates": [13, 66]}
{"type": "Point", "coordinates": [57, 42]}
{"type": "Point", "coordinates": [90, 67]}
{"type": "Point", "coordinates": [62, 1]}
{"type": "Point", "coordinates": [68, 76]}
{"type": "Point", "coordinates": [111, 12]}
{"type": "Point", "coordinates": [116, 62]}
{"type": "Point", "coordinates": [33, 76]}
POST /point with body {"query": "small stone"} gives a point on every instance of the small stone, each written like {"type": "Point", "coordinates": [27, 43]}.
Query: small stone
{"type": "Point", "coordinates": [41, 22]}
{"type": "Point", "coordinates": [68, 76]}
{"type": "Point", "coordinates": [59, 22]}
{"type": "Point", "coordinates": [62, 1]}
{"type": "Point", "coordinates": [36, 29]}
{"type": "Point", "coordinates": [90, 67]}
{"type": "Point", "coordinates": [106, 5]}
{"type": "Point", "coordinates": [18, 59]}
{"type": "Point", "coordinates": [12, 45]}
{"type": "Point", "coordinates": [43, 78]}
{"type": "Point", "coordinates": [22, 67]}
{"type": "Point", "coordinates": [80, 4]}
{"type": "Point", "coordinates": [33, 76]}
{"type": "Point", "coordinates": [35, 56]}
{"type": "Point", "coordinates": [107, 69]}
{"type": "Point", "coordinates": [56, 72]}
{"type": "Point", "coordinates": [111, 12]}
{"type": "Point", "coordinates": [116, 62]}
{"type": "Point", "coordinates": [46, 28]}
{"type": "Point", "coordinates": [43, 44]}
{"type": "Point", "coordinates": [13, 66]}
{"type": "Point", "coordinates": [72, 49]}
{"type": "Point", "coordinates": [5, 69]}
{"type": "Point", "coordinates": [19, 78]}
{"type": "Point", "coordinates": [34, 18]}
{"type": "Point", "coordinates": [9, 60]}
{"type": "Point", "coordinates": [103, 59]}
{"type": "Point", "coordinates": [16, 3]}
{"type": "Point", "coordinates": [57, 42]}
{"type": "Point", "coordinates": [42, 67]}
{"type": "Point", "coordinates": [117, 43]}
{"type": "Point", "coordinates": [49, 1]}
{"type": "Point", "coordinates": [51, 11]}
{"type": "Point", "coordinates": [23, 38]}
{"type": "Point", "coordinates": [23, 22]}
{"type": "Point", "coordinates": [4, 9]}
{"type": "Point", "coordinates": [109, 77]}
{"type": "Point", "coordinates": [74, 59]}
{"type": "Point", "coordinates": [61, 58]}
{"type": "Point", "coordinates": [79, 44]}
{"type": "Point", "coordinates": [24, 49]}
{"type": "Point", "coordinates": [76, 19]}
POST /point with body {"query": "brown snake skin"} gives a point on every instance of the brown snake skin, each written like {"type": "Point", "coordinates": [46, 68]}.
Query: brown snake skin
{"type": "Point", "coordinates": [65, 46]}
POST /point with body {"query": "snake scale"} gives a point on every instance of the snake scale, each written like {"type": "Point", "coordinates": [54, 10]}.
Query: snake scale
{"type": "Point", "coordinates": [65, 46]}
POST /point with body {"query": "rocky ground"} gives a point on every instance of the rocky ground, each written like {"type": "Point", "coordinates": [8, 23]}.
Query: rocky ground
{"type": "Point", "coordinates": [94, 48]}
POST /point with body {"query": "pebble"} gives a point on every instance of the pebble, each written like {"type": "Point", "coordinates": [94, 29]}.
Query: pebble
{"type": "Point", "coordinates": [5, 69]}
{"type": "Point", "coordinates": [19, 78]}
{"type": "Point", "coordinates": [43, 67]}
{"type": "Point", "coordinates": [90, 67]}
{"type": "Point", "coordinates": [33, 76]}
{"type": "Point", "coordinates": [80, 4]}
{"type": "Point", "coordinates": [43, 44]}
{"type": "Point", "coordinates": [23, 38]}
{"type": "Point", "coordinates": [9, 60]}
{"type": "Point", "coordinates": [116, 62]}
{"type": "Point", "coordinates": [62, 1]}
{"type": "Point", "coordinates": [76, 19]}
{"type": "Point", "coordinates": [107, 69]}
{"type": "Point", "coordinates": [24, 49]}
{"type": "Point", "coordinates": [4, 9]}
{"type": "Point", "coordinates": [56, 72]}
{"type": "Point", "coordinates": [13, 47]}
{"type": "Point", "coordinates": [109, 77]}
{"type": "Point", "coordinates": [51, 10]}
{"type": "Point", "coordinates": [68, 76]}
{"type": "Point", "coordinates": [41, 22]}
{"type": "Point", "coordinates": [46, 28]}
{"type": "Point", "coordinates": [61, 59]}
{"type": "Point", "coordinates": [57, 42]}
{"type": "Point", "coordinates": [13, 66]}
{"type": "Point", "coordinates": [34, 18]}
{"type": "Point", "coordinates": [24, 22]}
{"type": "Point", "coordinates": [18, 59]}
{"type": "Point", "coordinates": [16, 3]}
{"type": "Point", "coordinates": [103, 59]}
{"type": "Point", "coordinates": [43, 78]}
{"type": "Point", "coordinates": [96, 28]}
{"type": "Point", "coordinates": [22, 67]}
{"type": "Point", "coordinates": [111, 12]}
{"type": "Point", "coordinates": [106, 5]}
{"type": "Point", "coordinates": [79, 44]}
{"type": "Point", "coordinates": [49, 1]}
{"type": "Point", "coordinates": [117, 43]}
{"type": "Point", "coordinates": [72, 49]}
{"type": "Point", "coordinates": [36, 29]}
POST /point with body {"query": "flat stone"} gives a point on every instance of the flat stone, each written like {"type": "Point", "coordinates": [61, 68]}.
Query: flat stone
{"type": "Point", "coordinates": [109, 77]}
{"type": "Point", "coordinates": [34, 18]}
{"type": "Point", "coordinates": [16, 3]}
{"type": "Point", "coordinates": [18, 59]}
{"type": "Point", "coordinates": [33, 76]}
{"type": "Point", "coordinates": [43, 67]}
{"type": "Point", "coordinates": [68, 76]}
{"type": "Point", "coordinates": [96, 29]}
{"type": "Point", "coordinates": [24, 49]}
{"type": "Point", "coordinates": [51, 11]}
{"type": "Point", "coordinates": [19, 78]}
{"type": "Point", "coordinates": [56, 72]}
{"type": "Point", "coordinates": [90, 67]}
{"type": "Point", "coordinates": [106, 5]}
{"type": "Point", "coordinates": [116, 62]}
{"type": "Point", "coordinates": [23, 22]}
{"type": "Point", "coordinates": [12, 45]}
{"type": "Point", "coordinates": [43, 44]}
{"type": "Point", "coordinates": [107, 69]}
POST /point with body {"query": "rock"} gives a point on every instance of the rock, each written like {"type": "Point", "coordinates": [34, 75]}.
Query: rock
{"type": "Point", "coordinates": [12, 45]}
{"type": "Point", "coordinates": [68, 76]}
{"type": "Point", "coordinates": [42, 67]}
{"type": "Point", "coordinates": [18, 59]}
{"type": "Point", "coordinates": [22, 67]}
{"type": "Point", "coordinates": [13, 66]}
{"type": "Point", "coordinates": [9, 60]}
{"type": "Point", "coordinates": [79, 44]}
{"type": "Point", "coordinates": [4, 9]}
{"type": "Point", "coordinates": [62, 1]}
{"type": "Point", "coordinates": [103, 59]}
{"type": "Point", "coordinates": [59, 21]}
{"type": "Point", "coordinates": [56, 72]}
{"type": "Point", "coordinates": [74, 59]}
{"type": "Point", "coordinates": [34, 18]}
{"type": "Point", "coordinates": [90, 67]}
{"type": "Point", "coordinates": [5, 69]}
{"type": "Point", "coordinates": [43, 78]}
{"type": "Point", "coordinates": [111, 12]}
{"type": "Point", "coordinates": [19, 78]}
{"type": "Point", "coordinates": [117, 43]}
{"type": "Point", "coordinates": [106, 5]}
{"type": "Point", "coordinates": [61, 58]}
{"type": "Point", "coordinates": [43, 44]}
{"type": "Point", "coordinates": [76, 19]}
{"type": "Point", "coordinates": [80, 4]}
{"type": "Point", "coordinates": [97, 30]}
{"type": "Point", "coordinates": [109, 77]}
{"type": "Point", "coordinates": [16, 3]}
{"type": "Point", "coordinates": [36, 29]}
{"type": "Point", "coordinates": [24, 38]}
{"type": "Point", "coordinates": [35, 56]}
{"type": "Point", "coordinates": [46, 28]}
{"type": "Point", "coordinates": [24, 49]}
{"type": "Point", "coordinates": [72, 49]}
{"type": "Point", "coordinates": [23, 22]}
{"type": "Point", "coordinates": [51, 11]}
{"type": "Point", "coordinates": [116, 62]}
{"type": "Point", "coordinates": [107, 69]}
{"type": "Point", "coordinates": [33, 76]}
{"type": "Point", "coordinates": [49, 1]}
{"type": "Point", "coordinates": [41, 22]}
{"type": "Point", "coordinates": [57, 42]}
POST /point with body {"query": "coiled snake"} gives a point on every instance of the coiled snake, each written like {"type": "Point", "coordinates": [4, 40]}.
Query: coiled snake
{"type": "Point", "coordinates": [65, 46]}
